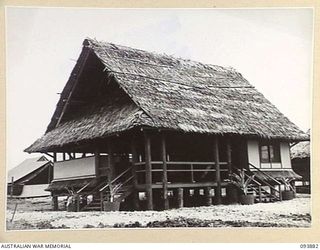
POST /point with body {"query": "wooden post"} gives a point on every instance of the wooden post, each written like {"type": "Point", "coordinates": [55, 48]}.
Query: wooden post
{"type": "Point", "coordinates": [77, 202]}
{"type": "Point", "coordinates": [101, 201]}
{"type": "Point", "coordinates": [148, 169]}
{"type": "Point", "coordinates": [110, 161]}
{"type": "Point", "coordinates": [180, 197]}
{"type": "Point", "coordinates": [164, 172]}
{"type": "Point", "coordinates": [97, 162]}
{"type": "Point", "coordinates": [50, 169]}
{"type": "Point", "coordinates": [54, 160]}
{"type": "Point", "coordinates": [293, 184]}
{"type": "Point", "coordinates": [12, 188]}
{"type": "Point", "coordinates": [260, 194]}
{"type": "Point", "coordinates": [136, 204]}
{"type": "Point", "coordinates": [229, 155]}
{"type": "Point", "coordinates": [208, 198]}
{"type": "Point", "coordinates": [218, 176]}
{"type": "Point", "coordinates": [55, 205]}
{"type": "Point", "coordinates": [64, 156]}
{"type": "Point", "coordinates": [280, 193]}
{"type": "Point", "coordinates": [192, 174]}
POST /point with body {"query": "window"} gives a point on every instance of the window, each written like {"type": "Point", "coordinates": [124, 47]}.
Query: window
{"type": "Point", "coordinates": [270, 152]}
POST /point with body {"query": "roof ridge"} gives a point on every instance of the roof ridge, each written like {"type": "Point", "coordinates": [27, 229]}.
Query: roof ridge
{"type": "Point", "coordinates": [228, 69]}
{"type": "Point", "coordinates": [176, 82]}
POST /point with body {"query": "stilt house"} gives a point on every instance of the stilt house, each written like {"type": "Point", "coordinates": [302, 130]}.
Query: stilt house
{"type": "Point", "coordinates": [30, 178]}
{"type": "Point", "coordinates": [169, 130]}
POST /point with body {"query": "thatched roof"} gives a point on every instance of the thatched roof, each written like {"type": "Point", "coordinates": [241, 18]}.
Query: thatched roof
{"type": "Point", "coordinates": [301, 150]}
{"type": "Point", "coordinates": [163, 92]}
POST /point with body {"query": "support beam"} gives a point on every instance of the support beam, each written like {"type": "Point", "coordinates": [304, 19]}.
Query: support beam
{"type": "Point", "coordinates": [52, 168]}
{"type": "Point", "coordinates": [110, 160]}
{"type": "Point", "coordinates": [180, 197]}
{"type": "Point", "coordinates": [164, 172]}
{"type": "Point", "coordinates": [192, 173]}
{"type": "Point", "coordinates": [12, 186]}
{"type": "Point", "coordinates": [136, 204]}
{"type": "Point", "coordinates": [75, 75]}
{"type": "Point", "coordinates": [55, 205]}
{"type": "Point", "coordinates": [77, 202]}
{"type": "Point", "coordinates": [54, 157]}
{"type": "Point", "coordinates": [208, 198]}
{"type": "Point", "coordinates": [97, 162]}
{"type": "Point", "coordinates": [70, 156]}
{"type": "Point", "coordinates": [49, 155]}
{"type": "Point", "coordinates": [147, 148]}
{"type": "Point", "coordinates": [229, 160]}
{"type": "Point", "coordinates": [218, 176]}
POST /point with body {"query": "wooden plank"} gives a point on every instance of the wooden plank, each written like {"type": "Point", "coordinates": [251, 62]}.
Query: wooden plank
{"type": "Point", "coordinates": [136, 204]}
{"type": "Point", "coordinates": [183, 185]}
{"type": "Point", "coordinates": [184, 170]}
{"type": "Point", "coordinates": [182, 163]}
{"type": "Point", "coordinates": [148, 167]}
{"type": "Point", "coordinates": [164, 172]}
{"type": "Point", "coordinates": [218, 176]}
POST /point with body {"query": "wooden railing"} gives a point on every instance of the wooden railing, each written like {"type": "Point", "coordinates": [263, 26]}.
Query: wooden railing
{"type": "Point", "coordinates": [116, 179]}
{"type": "Point", "coordinates": [267, 183]}
{"type": "Point", "coordinates": [195, 171]}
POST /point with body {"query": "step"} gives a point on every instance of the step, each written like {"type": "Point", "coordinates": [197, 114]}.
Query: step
{"type": "Point", "coordinates": [91, 209]}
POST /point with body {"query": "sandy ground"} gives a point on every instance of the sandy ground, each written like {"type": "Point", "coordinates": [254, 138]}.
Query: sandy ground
{"type": "Point", "coordinates": [293, 213]}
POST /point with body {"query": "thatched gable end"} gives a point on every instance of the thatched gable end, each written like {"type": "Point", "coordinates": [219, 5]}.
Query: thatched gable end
{"type": "Point", "coordinates": [164, 92]}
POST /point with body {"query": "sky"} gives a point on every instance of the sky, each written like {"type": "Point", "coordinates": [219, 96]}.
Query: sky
{"type": "Point", "coordinates": [271, 48]}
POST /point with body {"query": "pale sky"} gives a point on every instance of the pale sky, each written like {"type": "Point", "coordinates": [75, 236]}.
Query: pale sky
{"type": "Point", "coordinates": [271, 48]}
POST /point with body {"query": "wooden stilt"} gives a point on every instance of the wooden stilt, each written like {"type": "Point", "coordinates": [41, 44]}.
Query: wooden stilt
{"type": "Point", "coordinates": [136, 204]}
{"type": "Point", "coordinates": [164, 171]}
{"type": "Point", "coordinates": [101, 201]}
{"type": "Point", "coordinates": [229, 158]}
{"type": "Point", "coordinates": [110, 161]}
{"type": "Point", "coordinates": [218, 176]}
{"type": "Point", "coordinates": [260, 194]}
{"type": "Point", "coordinates": [280, 193]}
{"type": "Point", "coordinates": [180, 197]}
{"type": "Point", "coordinates": [148, 169]}
{"type": "Point", "coordinates": [208, 197]}
{"type": "Point", "coordinates": [55, 205]}
{"type": "Point", "coordinates": [192, 174]}
{"type": "Point", "coordinates": [97, 162]}
{"type": "Point", "coordinates": [12, 186]}
{"type": "Point", "coordinates": [52, 168]}
{"type": "Point", "coordinates": [77, 202]}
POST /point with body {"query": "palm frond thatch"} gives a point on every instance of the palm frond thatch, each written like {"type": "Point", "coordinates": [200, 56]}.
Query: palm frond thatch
{"type": "Point", "coordinates": [169, 93]}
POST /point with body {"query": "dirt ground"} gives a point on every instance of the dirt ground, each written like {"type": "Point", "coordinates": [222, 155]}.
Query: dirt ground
{"type": "Point", "coordinates": [34, 214]}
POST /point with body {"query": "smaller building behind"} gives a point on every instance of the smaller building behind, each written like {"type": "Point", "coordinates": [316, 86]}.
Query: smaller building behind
{"type": "Point", "coordinates": [300, 158]}
{"type": "Point", "coordinates": [30, 178]}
